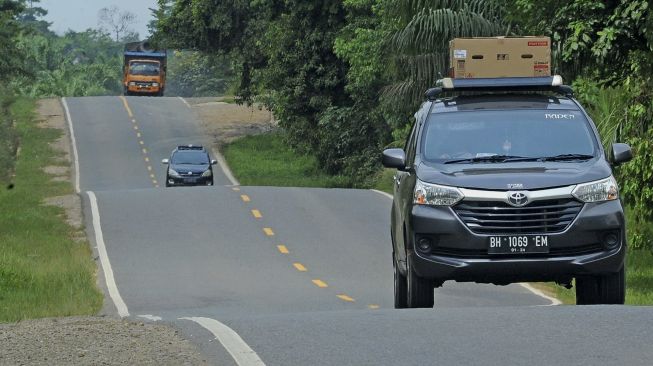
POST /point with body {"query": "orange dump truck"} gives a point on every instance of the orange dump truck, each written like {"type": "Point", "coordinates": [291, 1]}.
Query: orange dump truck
{"type": "Point", "coordinates": [144, 70]}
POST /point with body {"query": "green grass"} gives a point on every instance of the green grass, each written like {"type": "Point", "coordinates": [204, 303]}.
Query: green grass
{"type": "Point", "coordinates": [384, 181]}
{"type": "Point", "coordinates": [266, 160]}
{"type": "Point", "coordinates": [639, 281]}
{"type": "Point", "coordinates": [43, 271]}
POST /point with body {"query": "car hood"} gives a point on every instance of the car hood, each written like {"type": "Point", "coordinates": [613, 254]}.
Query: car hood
{"type": "Point", "coordinates": [500, 176]}
{"type": "Point", "coordinates": [183, 169]}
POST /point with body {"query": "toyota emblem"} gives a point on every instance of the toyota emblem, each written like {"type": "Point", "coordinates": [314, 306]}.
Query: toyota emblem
{"type": "Point", "coordinates": [517, 199]}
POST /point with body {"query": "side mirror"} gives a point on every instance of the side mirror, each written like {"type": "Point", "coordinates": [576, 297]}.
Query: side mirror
{"type": "Point", "coordinates": [213, 162]}
{"type": "Point", "coordinates": [621, 153]}
{"type": "Point", "coordinates": [165, 161]}
{"type": "Point", "coordinates": [394, 158]}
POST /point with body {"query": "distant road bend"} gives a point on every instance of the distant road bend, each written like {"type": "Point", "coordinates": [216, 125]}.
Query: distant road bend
{"type": "Point", "coordinates": [297, 276]}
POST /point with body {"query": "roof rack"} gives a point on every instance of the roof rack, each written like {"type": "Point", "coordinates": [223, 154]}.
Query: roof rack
{"type": "Point", "coordinates": [544, 83]}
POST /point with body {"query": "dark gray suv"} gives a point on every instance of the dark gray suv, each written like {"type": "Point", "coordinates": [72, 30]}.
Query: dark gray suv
{"type": "Point", "coordinates": [506, 185]}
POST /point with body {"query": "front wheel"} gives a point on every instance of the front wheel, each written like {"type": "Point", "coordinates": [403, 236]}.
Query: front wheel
{"type": "Point", "coordinates": [401, 287]}
{"type": "Point", "coordinates": [604, 289]}
{"type": "Point", "coordinates": [420, 290]}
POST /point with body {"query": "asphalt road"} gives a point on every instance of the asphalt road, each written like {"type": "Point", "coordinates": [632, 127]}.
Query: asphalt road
{"type": "Point", "coordinates": [303, 276]}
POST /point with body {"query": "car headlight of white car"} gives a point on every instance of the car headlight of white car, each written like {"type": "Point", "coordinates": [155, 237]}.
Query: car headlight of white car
{"type": "Point", "coordinates": [597, 191]}
{"type": "Point", "coordinates": [436, 195]}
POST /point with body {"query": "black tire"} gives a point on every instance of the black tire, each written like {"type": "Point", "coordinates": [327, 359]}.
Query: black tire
{"type": "Point", "coordinates": [419, 290]}
{"type": "Point", "coordinates": [587, 290]}
{"type": "Point", "coordinates": [607, 289]}
{"type": "Point", "coordinates": [401, 287]}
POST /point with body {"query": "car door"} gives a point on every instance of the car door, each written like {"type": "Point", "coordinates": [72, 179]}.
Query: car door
{"type": "Point", "coordinates": [403, 195]}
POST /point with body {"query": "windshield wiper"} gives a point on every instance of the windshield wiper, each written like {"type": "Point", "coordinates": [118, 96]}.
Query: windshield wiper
{"type": "Point", "coordinates": [563, 157]}
{"type": "Point", "coordinates": [489, 159]}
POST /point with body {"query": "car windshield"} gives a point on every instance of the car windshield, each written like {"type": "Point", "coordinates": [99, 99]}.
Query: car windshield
{"type": "Point", "coordinates": [190, 157]}
{"type": "Point", "coordinates": [144, 68]}
{"type": "Point", "coordinates": [504, 136]}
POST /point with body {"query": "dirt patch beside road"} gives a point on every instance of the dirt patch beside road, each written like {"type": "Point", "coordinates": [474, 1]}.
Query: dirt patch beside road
{"type": "Point", "coordinates": [225, 122]}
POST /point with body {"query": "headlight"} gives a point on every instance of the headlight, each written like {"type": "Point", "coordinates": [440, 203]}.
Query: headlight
{"type": "Point", "coordinates": [436, 195]}
{"type": "Point", "coordinates": [207, 173]}
{"type": "Point", "coordinates": [173, 173]}
{"type": "Point", "coordinates": [600, 190]}
{"type": "Point", "coordinates": [155, 84]}
{"type": "Point", "coordinates": [132, 83]}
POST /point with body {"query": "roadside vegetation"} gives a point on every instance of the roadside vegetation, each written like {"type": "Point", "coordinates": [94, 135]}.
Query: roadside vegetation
{"type": "Point", "coordinates": [44, 270]}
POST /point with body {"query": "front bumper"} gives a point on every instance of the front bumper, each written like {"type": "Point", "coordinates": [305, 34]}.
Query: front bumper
{"type": "Point", "coordinates": [189, 181]}
{"type": "Point", "coordinates": [143, 88]}
{"type": "Point", "coordinates": [460, 254]}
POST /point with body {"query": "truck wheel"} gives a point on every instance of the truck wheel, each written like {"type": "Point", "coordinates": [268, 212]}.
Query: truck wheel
{"type": "Point", "coordinates": [419, 290]}
{"type": "Point", "coordinates": [401, 287]}
{"type": "Point", "coordinates": [604, 289]}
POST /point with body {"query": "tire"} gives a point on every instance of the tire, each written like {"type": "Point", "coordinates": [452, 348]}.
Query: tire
{"type": "Point", "coordinates": [419, 290]}
{"type": "Point", "coordinates": [587, 290]}
{"type": "Point", "coordinates": [607, 289]}
{"type": "Point", "coordinates": [401, 287]}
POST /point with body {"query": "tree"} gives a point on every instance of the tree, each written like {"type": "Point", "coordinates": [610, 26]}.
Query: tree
{"type": "Point", "coordinates": [10, 30]}
{"type": "Point", "coordinates": [117, 23]}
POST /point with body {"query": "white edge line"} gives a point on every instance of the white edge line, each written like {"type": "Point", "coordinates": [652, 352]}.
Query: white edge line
{"type": "Point", "coordinates": [527, 286]}
{"type": "Point", "coordinates": [242, 354]}
{"type": "Point", "coordinates": [388, 195]}
{"type": "Point", "coordinates": [73, 141]}
{"type": "Point", "coordinates": [185, 102]}
{"type": "Point", "coordinates": [225, 168]}
{"type": "Point", "coordinates": [104, 259]}
{"type": "Point", "coordinates": [554, 301]}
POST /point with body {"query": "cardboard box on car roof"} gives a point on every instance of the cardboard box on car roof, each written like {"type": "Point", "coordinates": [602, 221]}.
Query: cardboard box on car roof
{"type": "Point", "coordinates": [495, 57]}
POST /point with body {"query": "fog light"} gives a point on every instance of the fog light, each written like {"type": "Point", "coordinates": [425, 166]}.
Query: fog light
{"type": "Point", "coordinates": [171, 181]}
{"type": "Point", "coordinates": [611, 240]}
{"type": "Point", "coordinates": [424, 245]}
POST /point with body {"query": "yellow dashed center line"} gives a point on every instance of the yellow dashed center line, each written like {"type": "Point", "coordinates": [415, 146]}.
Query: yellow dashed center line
{"type": "Point", "coordinates": [373, 306]}
{"type": "Point", "coordinates": [320, 283]}
{"type": "Point", "coordinates": [268, 231]}
{"type": "Point", "coordinates": [256, 214]}
{"type": "Point", "coordinates": [300, 267]}
{"type": "Point", "coordinates": [344, 297]}
{"type": "Point", "coordinates": [140, 140]}
{"type": "Point", "coordinates": [283, 249]}
{"type": "Point", "coordinates": [245, 198]}
{"type": "Point", "coordinates": [129, 111]}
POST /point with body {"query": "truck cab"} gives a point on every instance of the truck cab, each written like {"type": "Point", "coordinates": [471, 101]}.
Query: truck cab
{"type": "Point", "coordinates": [144, 70]}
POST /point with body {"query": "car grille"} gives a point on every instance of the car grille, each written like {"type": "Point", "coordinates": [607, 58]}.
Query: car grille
{"type": "Point", "coordinates": [538, 217]}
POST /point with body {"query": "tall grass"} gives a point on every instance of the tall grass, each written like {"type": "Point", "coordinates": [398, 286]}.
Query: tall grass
{"type": "Point", "coordinates": [44, 272]}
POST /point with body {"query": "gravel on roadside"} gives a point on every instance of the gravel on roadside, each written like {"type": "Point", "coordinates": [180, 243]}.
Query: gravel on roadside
{"type": "Point", "coordinates": [94, 341]}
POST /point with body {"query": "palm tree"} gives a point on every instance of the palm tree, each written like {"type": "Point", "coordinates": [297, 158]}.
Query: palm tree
{"type": "Point", "coordinates": [418, 46]}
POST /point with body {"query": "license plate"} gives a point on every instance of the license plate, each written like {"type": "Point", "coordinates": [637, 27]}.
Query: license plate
{"type": "Point", "coordinates": [518, 244]}
{"type": "Point", "coordinates": [191, 180]}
